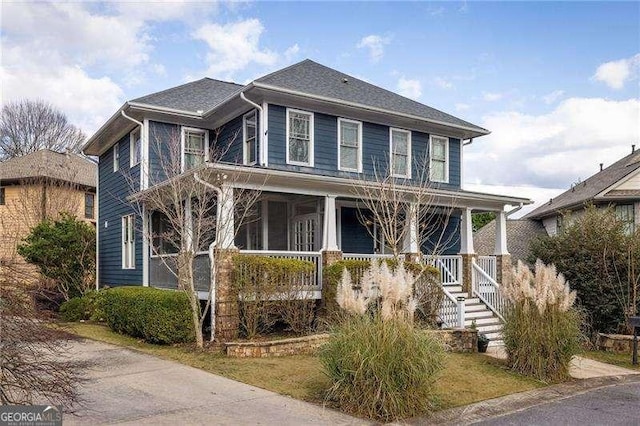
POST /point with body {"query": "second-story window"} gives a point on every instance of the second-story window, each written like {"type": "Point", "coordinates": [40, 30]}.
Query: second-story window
{"type": "Point", "coordinates": [299, 137]}
{"type": "Point", "coordinates": [400, 153]}
{"type": "Point", "coordinates": [195, 146]}
{"type": "Point", "coordinates": [89, 205]}
{"type": "Point", "coordinates": [349, 145]}
{"type": "Point", "coordinates": [249, 138]}
{"type": "Point", "coordinates": [135, 147]}
{"type": "Point", "coordinates": [116, 157]}
{"type": "Point", "coordinates": [626, 214]}
{"type": "Point", "coordinates": [439, 158]}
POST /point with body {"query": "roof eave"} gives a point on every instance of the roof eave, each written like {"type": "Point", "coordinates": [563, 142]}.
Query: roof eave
{"type": "Point", "coordinates": [88, 148]}
{"type": "Point", "coordinates": [472, 132]}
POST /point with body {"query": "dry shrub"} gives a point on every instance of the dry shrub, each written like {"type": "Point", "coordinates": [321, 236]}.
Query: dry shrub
{"type": "Point", "coordinates": [542, 328]}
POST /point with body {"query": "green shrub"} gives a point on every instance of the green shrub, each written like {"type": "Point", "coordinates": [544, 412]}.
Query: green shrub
{"type": "Point", "coordinates": [87, 307]}
{"type": "Point", "coordinates": [157, 316]}
{"type": "Point", "coordinates": [383, 370]}
{"type": "Point", "coordinates": [542, 328]}
{"type": "Point", "coordinates": [273, 289]}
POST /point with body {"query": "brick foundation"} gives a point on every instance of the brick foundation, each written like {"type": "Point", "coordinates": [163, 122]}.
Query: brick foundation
{"type": "Point", "coordinates": [413, 257]}
{"type": "Point", "coordinates": [619, 343]}
{"type": "Point", "coordinates": [275, 348]}
{"type": "Point", "coordinates": [331, 257]}
{"type": "Point", "coordinates": [227, 316]}
{"type": "Point", "coordinates": [461, 340]}
{"type": "Point", "coordinates": [466, 271]}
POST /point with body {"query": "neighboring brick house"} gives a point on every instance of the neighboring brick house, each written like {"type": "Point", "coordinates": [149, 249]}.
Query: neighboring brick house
{"type": "Point", "coordinates": [617, 186]}
{"type": "Point", "coordinates": [40, 185]}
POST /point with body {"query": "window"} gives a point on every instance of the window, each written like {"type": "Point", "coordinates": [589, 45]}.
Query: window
{"type": "Point", "coordinates": [164, 238]}
{"type": "Point", "coordinates": [128, 242]}
{"type": "Point", "coordinates": [299, 137]}
{"type": "Point", "coordinates": [626, 214]}
{"type": "Point", "coordinates": [2, 195]}
{"type": "Point", "coordinates": [349, 145]}
{"type": "Point", "coordinates": [89, 202]}
{"type": "Point", "coordinates": [559, 224]}
{"type": "Point", "coordinates": [195, 146]}
{"type": "Point", "coordinates": [439, 158]}
{"type": "Point", "coordinates": [135, 146]}
{"type": "Point", "coordinates": [250, 140]}
{"type": "Point", "coordinates": [116, 157]}
{"type": "Point", "coordinates": [400, 149]}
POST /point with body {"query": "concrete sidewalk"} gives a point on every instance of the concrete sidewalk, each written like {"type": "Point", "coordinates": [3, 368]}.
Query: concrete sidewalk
{"type": "Point", "coordinates": [127, 387]}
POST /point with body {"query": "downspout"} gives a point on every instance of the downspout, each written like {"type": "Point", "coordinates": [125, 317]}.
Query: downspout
{"type": "Point", "coordinates": [510, 212]}
{"type": "Point", "coordinates": [262, 124]}
{"type": "Point", "coordinates": [211, 252]}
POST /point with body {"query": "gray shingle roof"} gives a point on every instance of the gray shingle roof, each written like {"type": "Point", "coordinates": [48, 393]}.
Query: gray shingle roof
{"type": "Point", "coordinates": [201, 95]}
{"type": "Point", "coordinates": [315, 79]}
{"type": "Point", "coordinates": [520, 233]}
{"type": "Point", "coordinates": [585, 191]}
{"type": "Point", "coordinates": [50, 164]}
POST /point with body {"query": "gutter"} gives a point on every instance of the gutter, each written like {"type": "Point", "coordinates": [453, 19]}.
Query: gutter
{"type": "Point", "coordinates": [212, 253]}
{"type": "Point", "coordinates": [263, 130]}
{"type": "Point", "coordinates": [510, 212]}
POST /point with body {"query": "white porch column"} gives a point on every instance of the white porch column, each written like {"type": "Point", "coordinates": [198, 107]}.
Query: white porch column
{"type": "Point", "coordinates": [410, 243]}
{"type": "Point", "coordinates": [501, 234]}
{"type": "Point", "coordinates": [226, 227]}
{"type": "Point", "coordinates": [466, 232]}
{"type": "Point", "coordinates": [329, 234]}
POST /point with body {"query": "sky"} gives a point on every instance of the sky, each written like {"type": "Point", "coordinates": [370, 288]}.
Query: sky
{"type": "Point", "coordinates": [557, 83]}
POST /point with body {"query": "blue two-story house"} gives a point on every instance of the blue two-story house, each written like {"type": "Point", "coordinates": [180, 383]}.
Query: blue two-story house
{"type": "Point", "coordinates": [303, 136]}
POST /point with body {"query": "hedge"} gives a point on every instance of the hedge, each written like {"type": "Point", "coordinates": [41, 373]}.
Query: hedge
{"type": "Point", "coordinates": [87, 307]}
{"type": "Point", "coordinates": [157, 316]}
{"type": "Point", "coordinates": [427, 289]}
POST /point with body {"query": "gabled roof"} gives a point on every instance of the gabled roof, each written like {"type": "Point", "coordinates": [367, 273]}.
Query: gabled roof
{"type": "Point", "coordinates": [587, 191]}
{"type": "Point", "coordinates": [49, 164]}
{"type": "Point", "coordinates": [520, 232]}
{"type": "Point", "coordinates": [195, 97]}
{"type": "Point", "coordinates": [309, 77]}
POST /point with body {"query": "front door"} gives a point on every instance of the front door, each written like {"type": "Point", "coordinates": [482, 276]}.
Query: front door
{"type": "Point", "coordinates": [304, 232]}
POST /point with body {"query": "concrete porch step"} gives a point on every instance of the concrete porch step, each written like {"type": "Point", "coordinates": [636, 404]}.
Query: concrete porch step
{"type": "Point", "coordinates": [481, 321]}
{"type": "Point", "coordinates": [474, 307]}
{"type": "Point", "coordinates": [485, 313]}
{"type": "Point", "coordinates": [490, 328]}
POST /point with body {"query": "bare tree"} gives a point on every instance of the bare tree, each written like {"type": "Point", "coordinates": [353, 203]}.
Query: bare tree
{"type": "Point", "coordinates": [398, 211]}
{"type": "Point", "coordinates": [33, 352]}
{"type": "Point", "coordinates": [191, 204]}
{"type": "Point", "coordinates": [30, 125]}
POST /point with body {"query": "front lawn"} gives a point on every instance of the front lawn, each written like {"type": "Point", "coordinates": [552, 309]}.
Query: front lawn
{"type": "Point", "coordinates": [467, 378]}
{"type": "Point", "coordinates": [621, 360]}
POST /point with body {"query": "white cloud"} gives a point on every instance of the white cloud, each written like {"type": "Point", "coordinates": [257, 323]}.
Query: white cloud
{"type": "Point", "coordinates": [539, 196]}
{"type": "Point", "coordinates": [616, 73]}
{"type": "Point", "coordinates": [554, 149]}
{"type": "Point", "coordinates": [375, 44]}
{"type": "Point", "coordinates": [462, 107]}
{"type": "Point", "coordinates": [409, 88]}
{"type": "Point", "coordinates": [234, 46]}
{"type": "Point", "coordinates": [492, 96]}
{"type": "Point", "coordinates": [442, 83]}
{"type": "Point", "coordinates": [552, 97]}
{"type": "Point", "coordinates": [291, 53]}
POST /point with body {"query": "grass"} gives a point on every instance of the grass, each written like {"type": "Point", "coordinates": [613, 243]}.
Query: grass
{"type": "Point", "coordinates": [466, 378]}
{"type": "Point", "coordinates": [620, 360]}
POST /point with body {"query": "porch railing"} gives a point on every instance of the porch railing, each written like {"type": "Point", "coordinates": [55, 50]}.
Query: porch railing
{"type": "Point", "coordinates": [488, 265]}
{"type": "Point", "coordinates": [487, 290]}
{"type": "Point", "coordinates": [365, 256]}
{"type": "Point", "coordinates": [450, 268]}
{"type": "Point", "coordinates": [162, 271]}
{"type": "Point", "coordinates": [314, 279]}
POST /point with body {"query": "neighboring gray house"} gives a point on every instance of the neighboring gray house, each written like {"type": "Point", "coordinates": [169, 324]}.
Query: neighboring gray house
{"type": "Point", "coordinates": [616, 186]}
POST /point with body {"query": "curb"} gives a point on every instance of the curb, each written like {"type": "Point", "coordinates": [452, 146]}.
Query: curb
{"type": "Point", "coordinates": [497, 407]}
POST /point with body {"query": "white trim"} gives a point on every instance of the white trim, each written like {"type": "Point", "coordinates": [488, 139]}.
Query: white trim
{"type": "Point", "coordinates": [311, 132]}
{"type": "Point", "coordinates": [446, 157]}
{"type": "Point", "coordinates": [264, 215]}
{"type": "Point", "coordinates": [116, 158]}
{"type": "Point", "coordinates": [183, 131]}
{"type": "Point", "coordinates": [476, 131]}
{"type": "Point", "coordinates": [144, 168]}
{"type": "Point", "coordinates": [245, 151]}
{"type": "Point", "coordinates": [264, 134]}
{"type": "Point", "coordinates": [409, 163]}
{"type": "Point", "coordinates": [132, 150]}
{"type": "Point", "coordinates": [128, 246]}
{"type": "Point", "coordinates": [461, 164]}
{"type": "Point", "coordinates": [358, 168]}
{"type": "Point", "coordinates": [145, 247]}
{"type": "Point", "coordinates": [98, 228]}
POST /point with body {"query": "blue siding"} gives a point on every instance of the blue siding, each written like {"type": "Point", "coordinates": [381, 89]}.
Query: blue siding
{"type": "Point", "coordinates": [112, 205]}
{"type": "Point", "coordinates": [444, 235]}
{"type": "Point", "coordinates": [375, 148]}
{"type": "Point", "coordinates": [354, 235]}
{"type": "Point", "coordinates": [230, 135]}
{"type": "Point", "coordinates": [163, 139]}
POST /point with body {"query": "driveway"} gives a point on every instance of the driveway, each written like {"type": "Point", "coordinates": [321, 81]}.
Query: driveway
{"type": "Point", "coordinates": [613, 405]}
{"type": "Point", "coordinates": [127, 387]}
